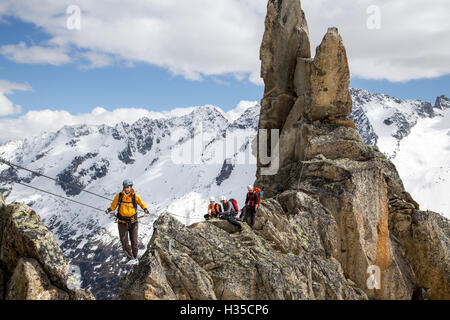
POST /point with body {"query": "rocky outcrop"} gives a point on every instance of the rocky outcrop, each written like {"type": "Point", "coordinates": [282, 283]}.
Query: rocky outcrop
{"type": "Point", "coordinates": [442, 103]}
{"type": "Point", "coordinates": [322, 155]}
{"type": "Point", "coordinates": [32, 266]}
{"type": "Point", "coordinates": [336, 222]}
{"type": "Point", "coordinates": [424, 239]}
{"type": "Point", "coordinates": [210, 260]}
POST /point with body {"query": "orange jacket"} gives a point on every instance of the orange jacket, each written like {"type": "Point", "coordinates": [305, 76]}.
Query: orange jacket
{"type": "Point", "coordinates": [126, 208]}
{"type": "Point", "coordinates": [215, 210]}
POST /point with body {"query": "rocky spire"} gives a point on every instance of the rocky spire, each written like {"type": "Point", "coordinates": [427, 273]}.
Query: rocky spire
{"type": "Point", "coordinates": [329, 80]}
{"type": "Point", "coordinates": [322, 154]}
{"type": "Point", "coordinates": [286, 39]}
{"type": "Point", "coordinates": [298, 88]}
{"type": "Point", "coordinates": [336, 222]}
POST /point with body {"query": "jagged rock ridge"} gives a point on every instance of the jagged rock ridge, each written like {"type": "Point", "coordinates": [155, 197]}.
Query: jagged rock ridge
{"type": "Point", "coordinates": [335, 209]}
{"type": "Point", "coordinates": [32, 266]}
{"type": "Point", "coordinates": [98, 160]}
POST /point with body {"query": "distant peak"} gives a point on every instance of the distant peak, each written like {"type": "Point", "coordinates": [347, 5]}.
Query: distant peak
{"type": "Point", "coordinates": [442, 102]}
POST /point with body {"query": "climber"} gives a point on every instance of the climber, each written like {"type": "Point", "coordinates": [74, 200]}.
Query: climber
{"type": "Point", "coordinates": [214, 209]}
{"type": "Point", "coordinates": [252, 201]}
{"type": "Point", "coordinates": [127, 202]}
{"type": "Point", "coordinates": [229, 211]}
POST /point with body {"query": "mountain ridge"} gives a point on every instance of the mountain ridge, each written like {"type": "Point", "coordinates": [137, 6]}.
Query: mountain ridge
{"type": "Point", "coordinates": [37, 154]}
{"type": "Point", "coordinates": [336, 221]}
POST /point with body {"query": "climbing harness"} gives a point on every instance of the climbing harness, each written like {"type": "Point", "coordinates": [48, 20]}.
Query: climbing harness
{"type": "Point", "coordinates": [12, 165]}
{"type": "Point", "coordinates": [57, 195]}
{"type": "Point", "coordinates": [74, 260]}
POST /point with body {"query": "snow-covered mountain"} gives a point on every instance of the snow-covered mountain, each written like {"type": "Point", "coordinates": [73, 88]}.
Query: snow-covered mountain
{"type": "Point", "coordinates": [385, 121]}
{"type": "Point", "coordinates": [177, 160]}
{"type": "Point", "coordinates": [415, 135]}
{"type": "Point", "coordinates": [176, 163]}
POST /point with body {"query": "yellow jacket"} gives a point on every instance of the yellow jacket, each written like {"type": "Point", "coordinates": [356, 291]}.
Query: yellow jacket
{"type": "Point", "coordinates": [126, 208]}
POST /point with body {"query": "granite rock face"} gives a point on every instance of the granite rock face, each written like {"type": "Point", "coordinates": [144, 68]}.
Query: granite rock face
{"type": "Point", "coordinates": [336, 221]}
{"type": "Point", "coordinates": [204, 261]}
{"type": "Point", "coordinates": [322, 154]}
{"type": "Point", "coordinates": [32, 265]}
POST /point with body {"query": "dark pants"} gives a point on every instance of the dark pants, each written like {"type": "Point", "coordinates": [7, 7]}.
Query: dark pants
{"type": "Point", "coordinates": [249, 211]}
{"type": "Point", "coordinates": [231, 219]}
{"type": "Point", "coordinates": [124, 230]}
{"type": "Point", "coordinates": [212, 216]}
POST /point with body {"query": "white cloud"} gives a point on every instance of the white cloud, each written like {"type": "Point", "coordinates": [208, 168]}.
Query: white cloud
{"type": "Point", "coordinates": [411, 44]}
{"type": "Point", "coordinates": [198, 38]}
{"type": "Point", "coordinates": [96, 60]}
{"type": "Point", "coordinates": [7, 87]}
{"type": "Point", "coordinates": [7, 107]}
{"type": "Point", "coordinates": [37, 122]}
{"type": "Point", "coordinates": [189, 38]}
{"type": "Point", "coordinates": [35, 54]}
{"type": "Point", "coordinates": [240, 109]}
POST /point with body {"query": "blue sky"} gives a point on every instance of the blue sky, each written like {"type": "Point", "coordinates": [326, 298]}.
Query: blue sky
{"type": "Point", "coordinates": [423, 89]}
{"type": "Point", "coordinates": [132, 81]}
{"type": "Point", "coordinates": [143, 85]}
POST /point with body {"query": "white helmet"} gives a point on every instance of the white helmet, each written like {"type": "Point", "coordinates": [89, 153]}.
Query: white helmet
{"type": "Point", "coordinates": [222, 198]}
{"type": "Point", "coordinates": [212, 199]}
{"type": "Point", "coordinates": [250, 188]}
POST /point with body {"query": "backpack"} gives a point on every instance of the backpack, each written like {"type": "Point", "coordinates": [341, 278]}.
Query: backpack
{"type": "Point", "coordinates": [235, 206]}
{"type": "Point", "coordinates": [260, 193]}
{"type": "Point", "coordinates": [133, 197]}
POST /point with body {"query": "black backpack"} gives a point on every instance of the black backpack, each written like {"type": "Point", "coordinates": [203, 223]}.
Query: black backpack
{"type": "Point", "coordinates": [133, 199]}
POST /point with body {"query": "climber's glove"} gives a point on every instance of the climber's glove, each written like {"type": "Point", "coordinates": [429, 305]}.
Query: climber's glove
{"type": "Point", "coordinates": [108, 210]}
{"type": "Point", "coordinates": [146, 212]}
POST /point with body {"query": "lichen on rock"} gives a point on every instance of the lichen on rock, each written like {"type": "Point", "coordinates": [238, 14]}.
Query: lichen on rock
{"type": "Point", "coordinates": [207, 262]}
{"type": "Point", "coordinates": [32, 265]}
{"type": "Point", "coordinates": [335, 209]}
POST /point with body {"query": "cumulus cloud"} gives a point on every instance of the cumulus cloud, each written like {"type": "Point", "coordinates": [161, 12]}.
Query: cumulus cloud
{"type": "Point", "coordinates": [411, 43]}
{"type": "Point", "coordinates": [7, 107]}
{"type": "Point", "coordinates": [190, 38]}
{"type": "Point", "coordinates": [240, 109]}
{"type": "Point", "coordinates": [197, 38]}
{"type": "Point", "coordinates": [34, 123]}
{"type": "Point", "coordinates": [35, 54]}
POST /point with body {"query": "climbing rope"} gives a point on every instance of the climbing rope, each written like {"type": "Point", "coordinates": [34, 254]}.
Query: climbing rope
{"type": "Point", "coordinates": [9, 180]}
{"type": "Point", "coordinates": [12, 165]}
{"type": "Point", "coordinates": [50, 193]}
{"type": "Point", "coordinates": [109, 263]}
{"type": "Point", "coordinates": [59, 196]}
